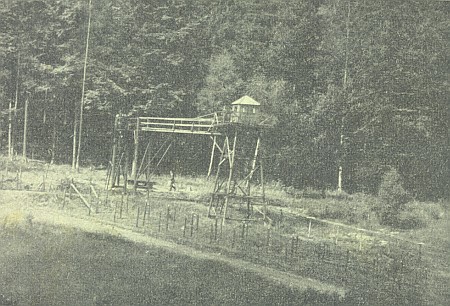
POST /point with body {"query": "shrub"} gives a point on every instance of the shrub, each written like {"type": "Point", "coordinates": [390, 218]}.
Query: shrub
{"type": "Point", "coordinates": [349, 209]}
{"type": "Point", "coordinates": [413, 219]}
{"type": "Point", "coordinates": [393, 198]}
{"type": "Point", "coordinates": [419, 215]}
{"type": "Point", "coordinates": [434, 210]}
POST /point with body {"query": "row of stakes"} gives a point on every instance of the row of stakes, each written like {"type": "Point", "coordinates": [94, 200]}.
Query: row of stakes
{"type": "Point", "coordinates": [95, 200]}
{"type": "Point", "coordinates": [215, 227]}
{"type": "Point", "coordinates": [191, 224]}
{"type": "Point", "coordinates": [290, 249]}
{"type": "Point", "coordinates": [17, 179]}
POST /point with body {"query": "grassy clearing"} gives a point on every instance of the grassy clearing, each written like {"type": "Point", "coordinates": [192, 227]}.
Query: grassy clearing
{"type": "Point", "coordinates": [48, 266]}
{"type": "Point", "coordinates": [349, 247]}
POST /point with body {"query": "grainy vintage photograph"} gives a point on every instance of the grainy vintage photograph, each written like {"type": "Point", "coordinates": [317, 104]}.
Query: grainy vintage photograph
{"type": "Point", "coordinates": [224, 152]}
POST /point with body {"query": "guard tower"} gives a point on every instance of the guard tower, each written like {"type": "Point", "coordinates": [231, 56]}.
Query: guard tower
{"type": "Point", "coordinates": [240, 164]}
{"type": "Point", "coordinates": [236, 153]}
{"type": "Point", "coordinates": [245, 110]}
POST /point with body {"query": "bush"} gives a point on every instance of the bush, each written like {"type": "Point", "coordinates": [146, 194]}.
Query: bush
{"type": "Point", "coordinates": [412, 219]}
{"type": "Point", "coordinates": [419, 215]}
{"type": "Point", "coordinates": [434, 210]}
{"type": "Point", "coordinates": [393, 198]}
{"type": "Point", "coordinates": [351, 210]}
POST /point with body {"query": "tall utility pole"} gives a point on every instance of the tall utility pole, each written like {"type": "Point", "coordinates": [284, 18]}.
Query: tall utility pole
{"type": "Point", "coordinates": [10, 118]}
{"type": "Point", "coordinates": [80, 129]}
{"type": "Point", "coordinates": [10, 152]}
{"type": "Point", "coordinates": [25, 128]}
{"type": "Point", "coordinates": [74, 140]}
{"type": "Point", "coordinates": [344, 84]}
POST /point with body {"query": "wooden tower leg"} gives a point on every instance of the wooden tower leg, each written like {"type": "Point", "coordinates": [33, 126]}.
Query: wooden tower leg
{"type": "Point", "coordinates": [143, 160]}
{"type": "Point", "coordinates": [231, 155]}
{"type": "Point", "coordinates": [112, 177]}
{"type": "Point", "coordinates": [215, 197]}
{"type": "Point", "coordinates": [263, 188]}
{"type": "Point", "coordinates": [119, 166]}
{"type": "Point", "coordinates": [250, 176]}
{"type": "Point", "coordinates": [125, 168]}
{"type": "Point", "coordinates": [212, 157]}
{"type": "Point", "coordinates": [134, 170]}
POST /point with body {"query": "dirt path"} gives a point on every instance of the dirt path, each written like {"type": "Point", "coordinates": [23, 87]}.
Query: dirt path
{"type": "Point", "coordinates": [19, 208]}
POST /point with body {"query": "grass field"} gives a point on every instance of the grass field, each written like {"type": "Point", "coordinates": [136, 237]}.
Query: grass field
{"type": "Point", "coordinates": [337, 240]}
{"type": "Point", "coordinates": [48, 266]}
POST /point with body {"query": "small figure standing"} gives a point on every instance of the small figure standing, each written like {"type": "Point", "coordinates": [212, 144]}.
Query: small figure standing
{"type": "Point", "coordinates": [172, 181]}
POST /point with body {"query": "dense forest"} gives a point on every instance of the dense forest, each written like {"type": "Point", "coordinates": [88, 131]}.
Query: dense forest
{"type": "Point", "coordinates": [359, 87]}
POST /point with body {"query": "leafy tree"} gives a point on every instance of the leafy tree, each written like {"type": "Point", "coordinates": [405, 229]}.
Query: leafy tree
{"type": "Point", "coordinates": [357, 85]}
{"type": "Point", "coordinates": [378, 64]}
{"type": "Point", "coordinates": [222, 84]}
{"type": "Point", "coordinates": [393, 197]}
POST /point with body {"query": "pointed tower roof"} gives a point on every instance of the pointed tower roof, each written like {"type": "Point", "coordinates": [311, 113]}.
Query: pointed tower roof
{"type": "Point", "coordinates": [246, 100]}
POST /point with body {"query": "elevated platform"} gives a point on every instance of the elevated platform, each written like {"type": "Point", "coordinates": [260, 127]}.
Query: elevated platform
{"type": "Point", "coordinates": [198, 126]}
{"type": "Point", "coordinates": [215, 124]}
{"type": "Point", "coordinates": [236, 141]}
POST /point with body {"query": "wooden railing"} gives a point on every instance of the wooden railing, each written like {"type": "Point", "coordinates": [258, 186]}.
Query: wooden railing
{"type": "Point", "coordinates": [210, 124]}
{"type": "Point", "coordinates": [205, 125]}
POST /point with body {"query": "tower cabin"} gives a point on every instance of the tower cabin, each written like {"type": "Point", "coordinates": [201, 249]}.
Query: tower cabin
{"type": "Point", "coordinates": [245, 110]}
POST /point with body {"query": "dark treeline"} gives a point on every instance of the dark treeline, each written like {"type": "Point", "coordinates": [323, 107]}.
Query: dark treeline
{"type": "Point", "coordinates": [357, 86]}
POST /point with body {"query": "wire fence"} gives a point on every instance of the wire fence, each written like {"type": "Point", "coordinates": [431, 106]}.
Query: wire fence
{"type": "Point", "coordinates": [373, 267]}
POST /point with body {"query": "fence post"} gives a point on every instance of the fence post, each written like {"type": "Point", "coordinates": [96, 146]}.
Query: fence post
{"type": "Point", "coordinates": [70, 193]}
{"type": "Point", "coordinates": [233, 238]}
{"type": "Point", "coordinates": [121, 206]}
{"type": "Point", "coordinates": [258, 245]}
{"type": "Point", "coordinates": [309, 228]}
{"type": "Point", "coordinates": [159, 222]}
{"type": "Point", "coordinates": [292, 245]}
{"type": "Point", "coordinates": [281, 218]}
{"type": "Point", "coordinates": [107, 196]}
{"type": "Point", "coordinates": [211, 234]}
{"type": "Point", "coordinates": [215, 230]}
{"type": "Point", "coordinates": [167, 218]}
{"type": "Point", "coordinates": [64, 198]}
{"type": "Point", "coordinates": [347, 260]}
{"type": "Point", "coordinates": [90, 191]}
{"type": "Point", "coordinates": [115, 211]}
{"type": "Point", "coordinates": [137, 216]}
{"type": "Point", "coordinates": [286, 251]}
{"type": "Point", "coordinates": [145, 213]}
{"type": "Point", "coordinates": [192, 224]}
{"type": "Point", "coordinates": [420, 251]}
